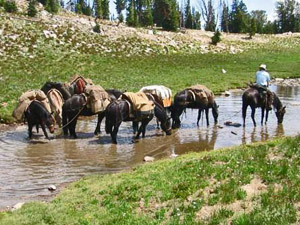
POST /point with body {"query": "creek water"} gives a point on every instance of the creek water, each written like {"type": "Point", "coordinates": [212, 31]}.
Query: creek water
{"type": "Point", "coordinates": [29, 167]}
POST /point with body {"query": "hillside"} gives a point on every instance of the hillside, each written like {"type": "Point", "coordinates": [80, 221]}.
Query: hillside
{"type": "Point", "coordinates": [55, 47]}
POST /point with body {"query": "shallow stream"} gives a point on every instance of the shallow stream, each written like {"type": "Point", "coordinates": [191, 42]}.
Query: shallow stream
{"type": "Point", "coordinates": [29, 167]}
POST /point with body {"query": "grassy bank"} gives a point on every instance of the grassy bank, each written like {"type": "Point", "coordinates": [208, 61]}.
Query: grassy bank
{"type": "Point", "coordinates": [176, 71]}
{"type": "Point", "coordinates": [252, 184]}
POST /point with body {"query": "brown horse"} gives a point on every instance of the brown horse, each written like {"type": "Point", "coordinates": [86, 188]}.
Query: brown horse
{"type": "Point", "coordinates": [188, 99]}
{"type": "Point", "coordinates": [251, 97]}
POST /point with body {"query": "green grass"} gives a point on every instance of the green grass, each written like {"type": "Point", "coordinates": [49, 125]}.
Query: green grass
{"type": "Point", "coordinates": [175, 191]}
{"type": "Point", "coordinates": [176, 71]}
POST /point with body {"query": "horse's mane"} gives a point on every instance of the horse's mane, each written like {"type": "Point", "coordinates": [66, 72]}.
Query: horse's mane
{"type": "Point", "coordinates": [276, 102]}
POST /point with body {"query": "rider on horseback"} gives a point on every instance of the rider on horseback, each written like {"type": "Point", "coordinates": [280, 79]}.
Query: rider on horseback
{"type": "Point", "coordinates": [262, 84]}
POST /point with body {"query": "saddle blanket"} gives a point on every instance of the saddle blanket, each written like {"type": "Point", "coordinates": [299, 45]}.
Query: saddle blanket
{"type": "Point", "coordinates": [25, 100]}
{"type": "Point", "coordinates": [164, 93]}
{"type": "Point", "coordinates": [139, 101]}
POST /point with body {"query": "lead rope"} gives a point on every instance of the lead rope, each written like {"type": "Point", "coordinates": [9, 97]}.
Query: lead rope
{"type": "Point", "coordinates": [73, 118]}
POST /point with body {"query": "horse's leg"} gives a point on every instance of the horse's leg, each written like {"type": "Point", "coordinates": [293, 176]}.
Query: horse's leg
{"type": "Point", "coordinates": [135, 126]}
{"type": "Point", "coordinates": [142, 128]}
{"type": "Point", "coordinates": [157, 124]}
{"type": "Point", "coordinates": [267, 115]}
{"type": "Point", "coordinates": [30, 130]}
{"type": "Point", "coordinates": [37, 128]}
{"type": "Point", "coordinates": [206, 114]}
{"type": "Point", "coordinates": [253, 115]}
{"type": "Point", "coordinates": [244, 112]}
{"type": "Point", "coordinates": [114, 132]}
{"type": "Point", "coordinates": [44, 130]}
{"type": "Point", "coordinates": [65, 122]}
{"type": "Point", "coordinates": [72, 126]}
{"type": "Point", "coordinates": [262, 115]}
{"type": "Point", "coordinates": [100, 118]}
{"type": "Point", "coordinates": [199, 117]}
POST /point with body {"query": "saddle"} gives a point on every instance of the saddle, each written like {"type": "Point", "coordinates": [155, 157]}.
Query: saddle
{"type": "Point", "coordinates": [139, 104]}
{"type": "Point", "coordinates": [265, 95]}
{"type": "Point", "coordinates": [98, 98]}
{"type": "Point", "coordinates": [201, 93]}
{"type": "Point", "coordinates": [163, 93]}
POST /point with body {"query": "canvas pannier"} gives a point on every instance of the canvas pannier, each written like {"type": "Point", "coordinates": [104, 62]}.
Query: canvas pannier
{"type": "Point", "coordinates": [98, 98]}
{"type": "Point", "coordinates": [202, 93]}
{"type": "Point", "coordinates": [25, 100]}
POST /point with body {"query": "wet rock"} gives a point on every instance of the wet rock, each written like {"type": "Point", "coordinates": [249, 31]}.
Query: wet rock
{"type": "Point", "coordinates": [17, 206]}
{"type": "Point", "coordinates": [227, 93]}
{"type": "Point", "coordinates": [52, 188]}
{"type": "Point", "coordinates": [148, 159]}
{"type": "Point", "coordinates": [229, 123]}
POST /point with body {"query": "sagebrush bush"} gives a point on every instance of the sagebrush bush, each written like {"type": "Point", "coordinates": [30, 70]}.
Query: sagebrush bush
{"type": "Point", "coordinates": [10, 6]}
{"type": "Point", "coordinates": [216, 38]}
{"type": "Point", "coordinates": [31, 10]}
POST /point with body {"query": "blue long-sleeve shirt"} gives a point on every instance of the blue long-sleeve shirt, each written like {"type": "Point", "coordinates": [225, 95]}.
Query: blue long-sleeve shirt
{"type": "Point", "coordinates": [262, 78]}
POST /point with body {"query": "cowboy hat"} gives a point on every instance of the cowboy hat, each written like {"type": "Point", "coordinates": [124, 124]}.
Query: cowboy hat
{"type": "Point", "coordinates": [263, 66]}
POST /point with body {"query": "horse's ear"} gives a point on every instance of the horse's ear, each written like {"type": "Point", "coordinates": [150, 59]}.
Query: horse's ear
{"type": "Point", "coordinates": [284, 108]}
{"type": "Point", "coordinates": [218, 106]}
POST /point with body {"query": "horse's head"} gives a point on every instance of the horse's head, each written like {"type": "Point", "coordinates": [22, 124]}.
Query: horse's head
{"type": "Point", "coordinates": [50, 122]}
{"type": "Point", "coordinates": [166, 125]}
{"type": "Point", "coordinates": [280, 114]}
{"type": "Point", "coordinates": [215, 111]}
{"type": "Point", "coordinates": [181, 100]}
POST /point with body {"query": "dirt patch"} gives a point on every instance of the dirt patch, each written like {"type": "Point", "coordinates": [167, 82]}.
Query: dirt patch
{"type": "Point", "coordinates": [255, 187]}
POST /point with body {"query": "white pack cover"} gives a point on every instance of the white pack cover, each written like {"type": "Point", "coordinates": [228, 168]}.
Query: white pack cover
{"type": "Point", "coordinates": [161, 91]}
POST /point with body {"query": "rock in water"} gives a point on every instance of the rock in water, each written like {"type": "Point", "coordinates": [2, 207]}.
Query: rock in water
{"type": "Point", "coordinates": [148, 159]}
{"type": "Point", "coordinates": [52, 188]}
{"type": "Point", "coordinates": [227, 93]}
{"type": "Point", "coordinates": [17, 206]}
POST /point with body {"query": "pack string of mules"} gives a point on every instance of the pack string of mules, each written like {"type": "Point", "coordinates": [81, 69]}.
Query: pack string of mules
{"type": "Point", "coordinates": [63, 103]}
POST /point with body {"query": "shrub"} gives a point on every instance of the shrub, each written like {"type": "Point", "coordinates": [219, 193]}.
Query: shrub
{"type": "Point", "coordinates": [52, 6]}
{"type": "Point", "coordinates": [96, 28]}
{"type": "Point", "coordinates": [10, 6]}
{"type": "Point", "coordinates": [216, 38]}
{"type": "Point", "coordinates": [1, 3]}
{"type": "Point", "coordinates": [31, 10]}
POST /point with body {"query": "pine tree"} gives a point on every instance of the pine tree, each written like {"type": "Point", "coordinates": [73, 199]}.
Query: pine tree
{"type": "Point", "coordinates": [31, 10]}
{"type": "Point", "coordinates": [260, 18]}
{"type": "Point", "coordinates": [197, 20]}
{"type": "Point", "coordinates": [188, 16]}
{"type": "Point", "coordinates": [225, 19]}
{"type": "Point", "coordinates": [98, 9]}
{"type": "Point", "coordinates": [147, 15]}
{"type": "Point", "coordinates": [131, 15]}
{"type": "Point", "coordinates": [120, 6]}
{"type": "Point", "coordinates": [288, 12]}
{"type": "Point", "coordinates": [52, 6]}
{"type": "Point", "coordinates": [252, 28]}
{"type": "Point", "coordinates": [105, 9]}
{"type": "Point", "coordinates": [216, 38]}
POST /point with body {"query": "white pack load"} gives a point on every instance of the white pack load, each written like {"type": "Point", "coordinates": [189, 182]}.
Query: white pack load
{"type": "Point", "coordinates": [161, 91]}
{"type": "Point", "coordinates": [25, 100]}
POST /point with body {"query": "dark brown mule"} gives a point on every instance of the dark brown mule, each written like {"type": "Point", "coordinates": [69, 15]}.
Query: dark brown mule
{"type": "Point", "coordinates": [187, 99]}
{"type": "Point", "coordinates": [119, 111]}
{"type": "Point", "coordinates": [251, 97]}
